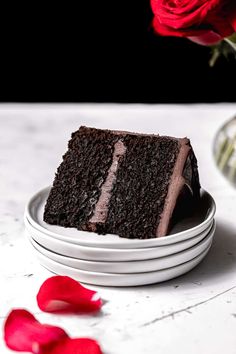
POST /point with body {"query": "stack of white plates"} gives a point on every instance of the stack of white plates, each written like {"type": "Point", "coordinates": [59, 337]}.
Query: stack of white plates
{"type": "Point", "coordinates": [113, 261]}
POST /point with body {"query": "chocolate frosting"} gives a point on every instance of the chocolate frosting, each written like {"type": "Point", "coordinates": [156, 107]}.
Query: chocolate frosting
{"type": "Point", "coordinates": [101, 208]}
{"type": "Point", "coordinates": [184, 174]}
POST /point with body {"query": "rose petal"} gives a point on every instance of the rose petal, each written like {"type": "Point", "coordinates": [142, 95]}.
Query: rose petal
{"type": "Point", "coordinates": [165, 30]}
{"type": "Point", "coordinates": [76, 346]}
{"type": "Point", "coordinates": [64, 294]}
{"type": "Point", "coordinates": [232, 19]}
{"type": "Point", "coordinates": [208, 38]}
{"type": "Point", "coordinates": [22, 332]}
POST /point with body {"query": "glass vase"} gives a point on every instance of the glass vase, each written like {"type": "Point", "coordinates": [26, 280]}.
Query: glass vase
{"type": "Point", "coordinates": [224, 150]}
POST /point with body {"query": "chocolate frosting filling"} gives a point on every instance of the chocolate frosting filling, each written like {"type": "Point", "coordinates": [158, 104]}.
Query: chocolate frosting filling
{"type": "Point", "coordinates": [101, 208]}
{"type": "Point", "coordinates": [182, 175]}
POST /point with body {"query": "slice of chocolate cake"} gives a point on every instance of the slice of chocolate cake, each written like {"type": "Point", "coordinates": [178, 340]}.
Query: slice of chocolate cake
{"type": "Point", "coordinates": [121, 183]}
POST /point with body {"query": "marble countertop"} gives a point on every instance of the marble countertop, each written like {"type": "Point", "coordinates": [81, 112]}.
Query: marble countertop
{"type": "Point", "coordinates": [195, 313]}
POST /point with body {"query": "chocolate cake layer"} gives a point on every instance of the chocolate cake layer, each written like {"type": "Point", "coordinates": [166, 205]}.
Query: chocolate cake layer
{"type": "Point", "coordinates": [77, 185]}
{"type": "Point", "coordinates": [141, 187]}
{"type": "Point", "coordinates": [121, 183]}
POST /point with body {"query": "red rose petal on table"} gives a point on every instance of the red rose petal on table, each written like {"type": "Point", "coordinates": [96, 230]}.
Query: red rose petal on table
{"type": "Point", "coordinates": [76, 346]}
{"type": "Point", "coordinates": [22, 332]}
{"type": "Point", "coordinates": [64, 294]}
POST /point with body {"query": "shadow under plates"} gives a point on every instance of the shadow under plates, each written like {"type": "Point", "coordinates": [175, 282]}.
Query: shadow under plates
{"type": "Point", "coordinates": [219, 263]}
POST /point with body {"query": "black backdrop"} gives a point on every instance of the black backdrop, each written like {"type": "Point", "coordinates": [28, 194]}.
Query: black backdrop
{"type": "Point", "coordinates": [104, 52]}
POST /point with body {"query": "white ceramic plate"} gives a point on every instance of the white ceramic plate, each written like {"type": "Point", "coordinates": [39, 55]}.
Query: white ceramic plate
{"type": "Point", "coordinates": [110, 279]}
{"type": "Point", "coordinates": [185, 229]}
{"type": "Point", "coordinates": [108, 254]}
{"type": "Point", "coordinates": [129, 267]}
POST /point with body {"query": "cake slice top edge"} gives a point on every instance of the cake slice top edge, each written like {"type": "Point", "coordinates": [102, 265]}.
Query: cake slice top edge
{"type": "Point", "coordinates": [122, 133]}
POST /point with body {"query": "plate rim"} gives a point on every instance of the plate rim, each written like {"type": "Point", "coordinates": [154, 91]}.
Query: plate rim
{"type": "Point", "coordinates": [118, 250]}
{"type": "Point", "coordinates": [120, 242]}
{"type": "Point", "coordinates": [204, 243]}
{"type": "Point", "coordinates": [128, 274]}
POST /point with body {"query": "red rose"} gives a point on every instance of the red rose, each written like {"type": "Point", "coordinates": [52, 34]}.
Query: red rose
{"type": "Point", "coordinates": [203, 21]}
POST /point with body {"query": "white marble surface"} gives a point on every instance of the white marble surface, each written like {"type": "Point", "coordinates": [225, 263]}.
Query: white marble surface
{"type": "Point", "coordinates": [195, 313]}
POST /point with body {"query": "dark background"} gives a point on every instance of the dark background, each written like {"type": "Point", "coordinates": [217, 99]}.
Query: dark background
{"type": "Point", "coordinates": [104, 52]}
